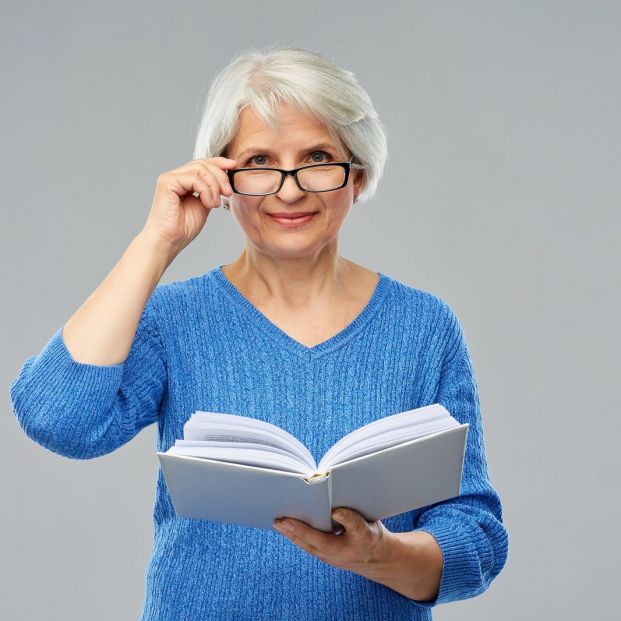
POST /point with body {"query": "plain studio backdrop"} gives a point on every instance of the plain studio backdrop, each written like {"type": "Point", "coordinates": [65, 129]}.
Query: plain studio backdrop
{"type": "Point", "coordinates": [501, 195]}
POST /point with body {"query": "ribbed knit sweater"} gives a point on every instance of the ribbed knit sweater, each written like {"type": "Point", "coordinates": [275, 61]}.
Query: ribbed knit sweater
{"type": "Point", "coordinates": [202, 345]}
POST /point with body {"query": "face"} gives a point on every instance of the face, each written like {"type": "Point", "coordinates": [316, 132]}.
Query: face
{"type": "Point", "coordinates": [296, 143]}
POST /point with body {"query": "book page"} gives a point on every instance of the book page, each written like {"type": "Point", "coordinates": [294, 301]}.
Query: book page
{"type": "Point", "coordinates": [389, 431]}
{"type": "Point", "coordinates": [249, 455]}
{"type": "Point", "coordinates": [384, 440]}
{"type": "Point", "coordinates": [208, 444]}
{"type": "Point", "coordinates": [218, 426]}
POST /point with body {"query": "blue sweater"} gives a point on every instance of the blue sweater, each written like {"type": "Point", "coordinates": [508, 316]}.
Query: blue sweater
{"type": "Point", "coordinates": [201, 345]}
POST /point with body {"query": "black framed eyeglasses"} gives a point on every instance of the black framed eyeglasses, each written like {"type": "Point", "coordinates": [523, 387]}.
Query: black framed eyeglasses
{"type": "Point", "coordinates": [260, 181]}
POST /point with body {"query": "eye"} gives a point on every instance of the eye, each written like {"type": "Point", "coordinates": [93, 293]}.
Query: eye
{"type": "Point", "coordinates": [262, 156]}
{"type": "Point", "coordinates": [249, 160]}
{"type": "Point", "coordinates": [319, 161]}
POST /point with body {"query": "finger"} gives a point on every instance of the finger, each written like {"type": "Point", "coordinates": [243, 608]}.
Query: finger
{"type": "Point", "coordinates": [214, 184]}
{"type": "Point", "coordinates": [225, 161]}
{"type": "Point", "coordinates": [211, 187]}
{"type": "Point", "coordinates": [218, 168]}
{"type": "Point", "coordinates": [299, 539]}
{"type": "Point", "coordinates": [354, 523]}
{"type": "Point", "coordinates": [206, 198]}
{"type": "Point", "coordinates": [313, 537]}
{"type": "Point", "coordinates": [215, 176]}
{"type": "Point", "coordinates": [301, 542]}
{"type": "Point", "coordinates": [182, 183]}
{"type": "Point", "coordinates": [221, 176]}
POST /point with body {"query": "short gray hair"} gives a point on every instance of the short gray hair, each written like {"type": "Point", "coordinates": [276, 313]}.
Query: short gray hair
{"type": "Point", "coordinates": [261, 78]}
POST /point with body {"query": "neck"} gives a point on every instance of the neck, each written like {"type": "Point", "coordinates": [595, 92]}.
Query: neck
{"type": "Point", "coordinates": [293, 281]}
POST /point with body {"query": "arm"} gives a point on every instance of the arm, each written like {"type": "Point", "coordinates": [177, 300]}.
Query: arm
{"type": "Point", "coordinates": [468, 529]}
{"type": "Point", "coordinates": [101, 331]}
{"type": "Point", "coordinates": [101, 377]}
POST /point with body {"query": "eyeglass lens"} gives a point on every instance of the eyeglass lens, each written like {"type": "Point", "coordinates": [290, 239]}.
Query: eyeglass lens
{"type": "Point", "coordinates": [312, 179]}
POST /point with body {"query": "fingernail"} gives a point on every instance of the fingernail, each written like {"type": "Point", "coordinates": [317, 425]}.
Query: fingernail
{"type": "Point", "coordinates": [283, 525]}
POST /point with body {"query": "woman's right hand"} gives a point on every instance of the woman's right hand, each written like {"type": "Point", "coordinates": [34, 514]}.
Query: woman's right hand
{"type": "Point", "coordinates": [177, 216]}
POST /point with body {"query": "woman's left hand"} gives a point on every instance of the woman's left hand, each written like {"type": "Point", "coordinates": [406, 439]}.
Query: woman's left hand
{"type": "Point", "coordinates": [364, 547]}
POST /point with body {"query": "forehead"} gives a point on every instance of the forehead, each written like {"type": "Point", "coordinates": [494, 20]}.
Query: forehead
{"type": "Point", "coordinates": [293, 127]}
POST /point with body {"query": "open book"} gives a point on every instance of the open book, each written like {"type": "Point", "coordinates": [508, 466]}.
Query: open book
{"type": "Point", "coordinates": [241, 470]}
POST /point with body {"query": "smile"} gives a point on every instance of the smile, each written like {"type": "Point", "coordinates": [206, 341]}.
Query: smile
{"type": "Point", "coordinates": [293, 222]}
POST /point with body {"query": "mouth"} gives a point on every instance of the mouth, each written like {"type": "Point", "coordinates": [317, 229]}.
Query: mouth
{"type": "Point", "coordinates": [292, 219]}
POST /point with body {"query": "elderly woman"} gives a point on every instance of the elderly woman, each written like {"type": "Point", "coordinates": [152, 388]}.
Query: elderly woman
{"type": "Point", "coordinates": [289, 332]}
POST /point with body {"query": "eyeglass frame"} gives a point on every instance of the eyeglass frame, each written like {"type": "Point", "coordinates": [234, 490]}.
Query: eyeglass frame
{"type": "Point", "coordinates": [294, 173]}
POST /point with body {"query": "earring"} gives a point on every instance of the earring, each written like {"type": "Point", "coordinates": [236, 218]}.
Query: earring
{"type": "Point", "coordinates": [225, 204]}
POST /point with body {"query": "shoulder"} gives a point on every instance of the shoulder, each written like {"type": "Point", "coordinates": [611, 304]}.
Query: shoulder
{"type": "Point", "coordinates": [422, 302]}
{"type": "Point", "coordinates": [427, 316]}
{"type": "Point", "coordinates": [179, 296]}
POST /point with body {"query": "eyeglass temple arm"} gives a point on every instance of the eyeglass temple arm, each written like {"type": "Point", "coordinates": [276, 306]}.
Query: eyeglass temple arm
{"type": "Point", "coordinates": [353, 164]}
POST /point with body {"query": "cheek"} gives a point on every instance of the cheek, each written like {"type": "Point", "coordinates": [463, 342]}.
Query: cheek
{"type": "Point", "coordinates": [338, 210]}
{"type": "Point", "coordinates": [247, 215]}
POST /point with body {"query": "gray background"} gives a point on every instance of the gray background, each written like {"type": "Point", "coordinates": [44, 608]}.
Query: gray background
{"type": "Point", "coordinates": [501, 195]}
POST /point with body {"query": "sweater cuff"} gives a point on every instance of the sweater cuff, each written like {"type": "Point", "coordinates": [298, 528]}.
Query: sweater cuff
{"type": "Point", "coordinates": [56, 374]}
{"type": "Point", "coordinates": [59, 361]}
{"type": "Point", "coordinates": [456, 558]}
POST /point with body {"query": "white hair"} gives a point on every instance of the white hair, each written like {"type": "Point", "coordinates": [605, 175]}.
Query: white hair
{"type": "Point", "coordinates": [262, 78]}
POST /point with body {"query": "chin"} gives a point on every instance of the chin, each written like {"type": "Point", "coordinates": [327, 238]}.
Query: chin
{"type": "Point", "coordinates": [290, 249]}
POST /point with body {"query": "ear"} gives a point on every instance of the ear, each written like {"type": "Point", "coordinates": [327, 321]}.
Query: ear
{"type": "Point", "coordinates": [358, 179]}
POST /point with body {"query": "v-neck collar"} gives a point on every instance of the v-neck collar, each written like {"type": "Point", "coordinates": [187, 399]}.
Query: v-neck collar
{"type": "Point", "coordinates": [334, 342]}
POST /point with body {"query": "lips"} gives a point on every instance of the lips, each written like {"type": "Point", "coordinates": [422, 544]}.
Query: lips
{"type": "Point", "coordinates": [295, 214]}
{"type": "Point", "coordinates": [292, 220]}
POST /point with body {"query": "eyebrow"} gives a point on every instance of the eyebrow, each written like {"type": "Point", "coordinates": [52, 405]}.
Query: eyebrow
{"type": "Point", "coordinates": [321, 145]}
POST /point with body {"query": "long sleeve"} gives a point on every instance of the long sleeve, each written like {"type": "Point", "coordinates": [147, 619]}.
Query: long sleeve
{"type": "Point", "coordinates": [468, 528]}
{"type": "Point", "coordinates": [82, 410]}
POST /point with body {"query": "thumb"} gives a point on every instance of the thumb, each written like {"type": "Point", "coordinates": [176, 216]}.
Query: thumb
{"type": "Point", "coordinates": [350, 519]}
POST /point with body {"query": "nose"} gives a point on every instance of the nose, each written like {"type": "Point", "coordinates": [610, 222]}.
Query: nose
{"type": "Point", "coordinates": [290, 192]}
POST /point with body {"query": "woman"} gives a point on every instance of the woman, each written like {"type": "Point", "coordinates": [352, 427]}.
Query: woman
{"type": "Point", "coordinates": [289, 332]}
